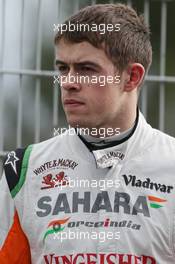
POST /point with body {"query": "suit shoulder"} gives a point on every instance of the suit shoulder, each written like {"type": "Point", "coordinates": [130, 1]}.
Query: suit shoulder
{"type": "Point", "coordinates": [164, 141]}
{"type": "Point", "coordinates": [12, 166]}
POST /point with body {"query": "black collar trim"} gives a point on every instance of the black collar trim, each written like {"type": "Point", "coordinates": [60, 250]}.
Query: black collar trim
{"type": "Point", "coordinates": [114, 143]}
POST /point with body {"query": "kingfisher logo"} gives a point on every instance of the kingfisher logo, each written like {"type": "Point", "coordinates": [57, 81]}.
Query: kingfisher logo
{"type": "Point", "coordinates": [55, 227]}
{"type": "Point", "coordinates": [102, 258]}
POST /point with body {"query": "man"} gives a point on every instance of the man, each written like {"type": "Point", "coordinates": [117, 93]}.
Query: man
{"type": "Point", "coordinates": [92, 197]}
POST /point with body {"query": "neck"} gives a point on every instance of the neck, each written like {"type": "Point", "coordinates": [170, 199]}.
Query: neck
{"type": "Point", "coordinates": [95, 143]}
{"type": "Point", "coordinates": [123, 122]}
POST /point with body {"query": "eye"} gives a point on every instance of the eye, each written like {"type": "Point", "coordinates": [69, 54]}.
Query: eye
{"type": "Point", "coordinates": [87, 69]}
{"type": "Point", "coordinates": [63, 69]}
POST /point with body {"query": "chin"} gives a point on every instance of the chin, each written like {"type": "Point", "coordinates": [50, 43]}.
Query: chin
{"type": "Point", "coordinates": [74, 122]}
{"type": "Point", "coordinates": [77, 123]}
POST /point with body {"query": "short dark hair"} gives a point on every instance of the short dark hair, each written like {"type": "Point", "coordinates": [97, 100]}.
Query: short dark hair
{"type": "Point", "coordinates": [130, 44]}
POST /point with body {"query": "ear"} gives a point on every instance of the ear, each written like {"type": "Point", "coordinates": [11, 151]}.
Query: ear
{"type": "Point", "coordinates": [135, 73]}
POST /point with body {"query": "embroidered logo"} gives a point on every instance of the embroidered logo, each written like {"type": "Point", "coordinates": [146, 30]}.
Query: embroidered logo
{"type": "Point", "coordinates": [12, 159]}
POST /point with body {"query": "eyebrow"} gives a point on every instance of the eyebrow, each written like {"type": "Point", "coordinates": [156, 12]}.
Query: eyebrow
{"type": "Point", "coordinates": [79, 63]}
{"type": "Point", "coordinates": [59, 62]}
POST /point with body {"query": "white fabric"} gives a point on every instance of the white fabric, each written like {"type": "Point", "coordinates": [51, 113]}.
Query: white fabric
{"type": "Point", "coordinates": [130, 195]}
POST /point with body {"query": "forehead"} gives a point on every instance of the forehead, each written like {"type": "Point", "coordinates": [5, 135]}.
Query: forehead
{"type": "Point", "coordinates": [78, 52]}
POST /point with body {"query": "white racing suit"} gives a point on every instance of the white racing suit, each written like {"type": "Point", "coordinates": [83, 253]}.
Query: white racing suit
{"type": "Point", "coordinates": [109, 206]}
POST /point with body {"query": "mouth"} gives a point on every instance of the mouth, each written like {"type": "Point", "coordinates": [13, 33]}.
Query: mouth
{"type": "Point", "coordinates": [72, 103]}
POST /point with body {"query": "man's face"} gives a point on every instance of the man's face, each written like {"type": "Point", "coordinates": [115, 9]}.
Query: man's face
{"type": "Point", "coordinates": [92, 102]}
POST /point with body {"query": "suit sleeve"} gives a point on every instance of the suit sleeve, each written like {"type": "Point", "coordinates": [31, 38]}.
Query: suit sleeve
{"type": "Point", "coordinates": [14, 246]}
{"type": "Point", "coordinates": [7, 209]}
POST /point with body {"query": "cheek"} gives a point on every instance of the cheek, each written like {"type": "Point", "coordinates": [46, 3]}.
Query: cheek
{"type": "Point", "coordinates": [99, 103]}
{"type": "Point", "coordinates": [109, 103]}
{"type": "Point", "coordinates": [102, 98]}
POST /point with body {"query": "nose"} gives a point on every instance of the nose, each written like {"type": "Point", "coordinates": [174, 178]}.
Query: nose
{"type": "Point", "coordinates": [70, 81]}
